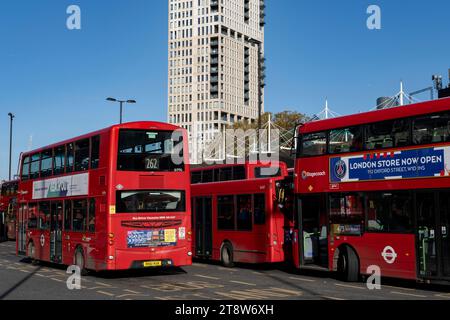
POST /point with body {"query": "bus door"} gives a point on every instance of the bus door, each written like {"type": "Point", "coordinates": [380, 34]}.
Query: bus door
{"type": "Point", "coordinates": [3, 231]}
{"type": "Point", "coordinates": [313, 231]}
{"type": "Point", "coordinates": [433, 222]}
{"type": "Point", "coordinates": [22, 221]}
{"type": "Point", "coordinates": [56, 232]}
{"type": "Point", "coordinates": [285, 201]}
{"type": "Point", "coordinates": [444, 229]}
{"type": "Point", "coordinates": [203, 227]}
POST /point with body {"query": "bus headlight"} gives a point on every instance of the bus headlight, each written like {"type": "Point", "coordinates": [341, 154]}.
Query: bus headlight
{"type": "Point", "coordinates": [189, 254]}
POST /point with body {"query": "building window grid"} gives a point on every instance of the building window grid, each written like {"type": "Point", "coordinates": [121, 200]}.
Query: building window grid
{"type": "Point", "coordinates": [230, 77]}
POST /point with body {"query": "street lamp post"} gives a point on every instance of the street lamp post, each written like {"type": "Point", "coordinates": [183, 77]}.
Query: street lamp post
{"type": "Point", "coordinates": [11, 118]}
{"type": "Point", "coordinates": [121, 102]}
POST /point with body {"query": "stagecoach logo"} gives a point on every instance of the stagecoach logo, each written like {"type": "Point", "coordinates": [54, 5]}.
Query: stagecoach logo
{"type": "Point", "coordinates": [340, 169]}
{"type": "Point", "coordinates": [389, 255]}
{"type": "Point", "coordinates": [42, 240]}
{"type": "Point", "coordinates": [306, 174]}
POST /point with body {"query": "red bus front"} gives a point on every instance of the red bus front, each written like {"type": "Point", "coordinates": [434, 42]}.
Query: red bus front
{"type": "Point", "coordinates": [149, 208]}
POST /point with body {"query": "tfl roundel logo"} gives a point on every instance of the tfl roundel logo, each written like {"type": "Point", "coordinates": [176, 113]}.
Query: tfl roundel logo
{"type": "Point", "coordinates": [340, 169]}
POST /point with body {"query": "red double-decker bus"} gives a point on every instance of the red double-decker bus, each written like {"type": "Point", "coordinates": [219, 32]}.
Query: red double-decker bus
{"type": "Point", "coordinates": [373, 189]}
{"type": "Point", "coordinates": [114, 199]}
{"type": "Point", "coordinates": [238, 212]}
{"type": "Point", "coordinates": [8, 206]}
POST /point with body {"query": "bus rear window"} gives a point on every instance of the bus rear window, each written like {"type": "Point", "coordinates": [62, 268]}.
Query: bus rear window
{"type": "Point", "coordinates": [142, 150]}
{"type": "Point", "coordinates": [150, 201]}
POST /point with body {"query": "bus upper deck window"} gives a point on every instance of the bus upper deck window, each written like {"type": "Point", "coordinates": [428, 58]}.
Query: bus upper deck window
{"type": "Point", "coordinates": [346, 140]}
{"type": "Point", "coordinates": [82, 155]}
{"type": "Point", "coordinates": [25, 168]}
{"type": "Point", "coordinates": [388, 134]}
{"type": "Point", "coordinates": [314, 144]}
{"type": "Point", "coordinates": [143, 150]}
{"type": "Point", "coordinates": [432, 129]}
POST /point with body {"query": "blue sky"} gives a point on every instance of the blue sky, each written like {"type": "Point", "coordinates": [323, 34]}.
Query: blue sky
{"type": "Point", "coordinates": [56, 80]}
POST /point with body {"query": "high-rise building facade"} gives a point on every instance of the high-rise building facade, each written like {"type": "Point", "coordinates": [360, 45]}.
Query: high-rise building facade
{"type": "Point", "coordinates": [216, 66]}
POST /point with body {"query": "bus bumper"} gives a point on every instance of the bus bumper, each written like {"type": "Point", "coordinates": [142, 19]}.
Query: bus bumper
{"type": "Point", "coordinates": [140, 259]}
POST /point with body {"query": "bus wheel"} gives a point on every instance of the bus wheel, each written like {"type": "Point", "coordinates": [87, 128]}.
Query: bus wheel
{"type": "Point", "coordinates": [32, 253]}
{"type": "Point", "coordinates": [348, 265]}
{"type": "Point", "coordinates": [226, 255]}
{"type": "Point", "coordinates": [79, 261]}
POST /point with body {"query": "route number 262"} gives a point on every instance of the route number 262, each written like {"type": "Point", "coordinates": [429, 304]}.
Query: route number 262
{"type": "Point", "coordinates": [151, 164]}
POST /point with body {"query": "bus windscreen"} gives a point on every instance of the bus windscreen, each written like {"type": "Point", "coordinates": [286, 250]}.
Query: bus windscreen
{"type": "Point", "coordinates": [150, 201]}
{"type": "Point", "coordinates": [151, 151]}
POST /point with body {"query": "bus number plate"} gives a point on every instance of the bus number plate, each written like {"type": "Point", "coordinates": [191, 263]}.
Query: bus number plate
{"type": "Point", "coordinates": [148, 264]}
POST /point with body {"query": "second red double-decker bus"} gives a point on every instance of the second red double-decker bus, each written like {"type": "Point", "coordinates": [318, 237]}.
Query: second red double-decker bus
{"type": "Point", "coordinates": [373, 191]}
{"type": "Point", "coordinates": [8, 206]}
{"type": "Point", "coordinates": [236, 213]}
{"type": "Point", "coordinates": [114, 199]}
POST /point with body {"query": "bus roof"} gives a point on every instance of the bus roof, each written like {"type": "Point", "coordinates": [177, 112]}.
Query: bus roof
{"type": "Point", "coordinates": [406, 111]}
{"type": "Point", "coordinates": [129, 125]}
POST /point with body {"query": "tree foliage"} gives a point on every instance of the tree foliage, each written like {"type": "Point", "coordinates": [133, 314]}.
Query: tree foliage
{"type": "Point", "coordinates": [285, 120]}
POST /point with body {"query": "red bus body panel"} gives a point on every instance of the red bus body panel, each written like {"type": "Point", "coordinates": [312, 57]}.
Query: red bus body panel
{"type": "Point", "coordinates": [370, 247]}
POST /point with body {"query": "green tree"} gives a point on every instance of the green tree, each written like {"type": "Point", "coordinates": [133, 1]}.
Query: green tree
{"type": "Point", "coordinates": [286, 120]}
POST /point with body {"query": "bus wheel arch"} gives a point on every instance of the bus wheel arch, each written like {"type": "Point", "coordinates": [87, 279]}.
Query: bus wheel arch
{"type": "Point", "coordinates": [347, 263]}
{"type": "Point", "coordinates": [226, 254]}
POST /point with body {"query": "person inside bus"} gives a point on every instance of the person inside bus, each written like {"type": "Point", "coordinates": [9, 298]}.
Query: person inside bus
{"type": "Point", "coordinates": [132, 204]}
{"type": "Point", "coordinates": [92, 224]}
{"type": "Point", "coordinates": [78, 221]}
{"type": "Point", "coordinates": [245, 216]}
{"type": "Point", "coordinates": [399, 222]}
{"type": "Point", "coordinates": [43, 221]}
{"type": "Point", "coordinates": [32, 221]}
{"type": "Point", "coordinates": [60, 220]}
{"type": "Point", "coordinates": [357, 140]}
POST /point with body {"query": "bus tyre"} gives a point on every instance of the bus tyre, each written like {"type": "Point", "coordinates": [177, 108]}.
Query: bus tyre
{"type": "Point", "coordinates": [31, 250]}
{"type": "Point", "coordinates": [79, 261]}
{"type": "Point", "coordinates": [348, 265]}
{"type": "Point", "coordinates": [226, 255]}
